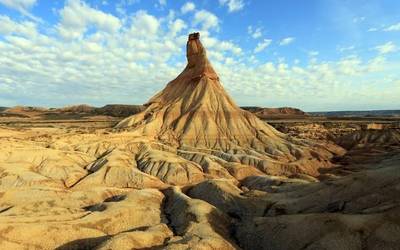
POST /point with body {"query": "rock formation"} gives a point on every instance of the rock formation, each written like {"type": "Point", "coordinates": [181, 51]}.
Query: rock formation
{"type": "Point", "coordinates": [193, 112]}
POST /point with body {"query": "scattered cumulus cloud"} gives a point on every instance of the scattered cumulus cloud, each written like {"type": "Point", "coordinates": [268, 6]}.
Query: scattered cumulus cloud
{"type": "Point", "coordinates": [77, 16]}
{"type": "Point", "coordinates": [358, 19]}
{"type": "Point", "coordinates": [177, 26]}
{"type": "Point", "coordinates": [188, 7]}
{"type": "Point", "coordinates": [24, 28]}
{"type": "Point", "coordinates": [206, 20]}
{"type": "Point", "coordinates": [254, 32]}
{"type": "Point", "coordinates": [23, 6]}
{"type": "Point", "coordinates": [286, 41]}
{"type": "Point", "coordinates": [233, 5]}
{"type": "Point", "coordinates": [345, 49]}
{"type": "Point", "coordinates": [262, 45]}
{"type": "Point", "coordinates": [394, 27]}
{"type": "Point", "coordinates": [386, 48]}
{"type": "Point", "coordinates": [144, 23]}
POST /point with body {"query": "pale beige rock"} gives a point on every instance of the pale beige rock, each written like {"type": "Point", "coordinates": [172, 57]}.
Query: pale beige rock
{"type": "Point", "coordinates": [46, 219]}
{"type": "Point", "coordinates": [118, 169]}
{"type": "Point", "coordinates": [322, 231]}
{"type": "Point", "coordinates": [227, 197]}
{"type": "Point", "coordinates": [154, 236]}
{"type": "Point", "coordinates": [168, 167]}
{"type": "Point", "coordinates": [199, 224]}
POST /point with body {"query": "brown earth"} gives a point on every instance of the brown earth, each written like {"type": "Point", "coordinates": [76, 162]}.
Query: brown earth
{"type": "Point", "coordinates": [276, 113]}
{"type": "Point", "coordinates": [71, 112]}
{"type": "Point", "coordinates": [194, 171]}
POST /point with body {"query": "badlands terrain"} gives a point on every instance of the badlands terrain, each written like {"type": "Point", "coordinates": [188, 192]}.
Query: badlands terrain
{"type": "Point", "coordinates": [191, 170]}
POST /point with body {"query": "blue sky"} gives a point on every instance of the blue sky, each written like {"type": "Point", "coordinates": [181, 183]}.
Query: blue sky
{"type": "Point", "coordinates": [314, 55]}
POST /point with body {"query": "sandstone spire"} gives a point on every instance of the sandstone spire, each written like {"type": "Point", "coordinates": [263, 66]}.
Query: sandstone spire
{"type": "Point", "coordinates": [194, 111]}
{"type": "Point", "coordinates": [197, 58]}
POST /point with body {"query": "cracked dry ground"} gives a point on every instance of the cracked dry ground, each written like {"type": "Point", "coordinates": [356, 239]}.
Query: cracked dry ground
{"type": "Point", "coordinates": [73, 189]}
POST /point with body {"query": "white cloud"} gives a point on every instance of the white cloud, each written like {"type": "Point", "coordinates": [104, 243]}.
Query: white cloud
{"type": "Point", "coordinates": [144, 24]}
{"type": "Point", "coordinates": [10, 27]}
{"type": "Point", "coordinates": [23, 6]}
{"type": "Point", "coordinates": [76, 16]}
{"type": "Point", "coordinates": [206, 20]}
{"type": "Point", "coordinates": [220, 47]}
{"type": "Point", "coordinates": [188, 7]}
{"type": "Point", "coordinates": [394, 27]}
{"type": "Point", "coordinates": [386, 48]}
{"type": "Point", "coordinates": [176, 26]}
{"type": "Point", "coordinates": [349, 65]}
{"type": "Point", "coordinates": [376, 64]}
{"type": "Point", "coordinates": [372, 29]}
{"type": "Point", "coordinates": [19, 4]}
{"type": "Point", "coordinates": [313, 53]}
{"type": "Point", "coordinates": [229, 46]}
{"type": "Point", "coordinates": [358, 19]}
{"type": "Point", "coordinates": [344, 49]}
{"type": "Point", "coordinates": [286, 41]}
{"type": "Point", "coordinates": [255, 33]}
{"type": "Point", "coordinates": [233, 5]}
{"type": "Point", "coordinates": [162, 2]}
{"type": "Point", "coordinates": [262, 45]}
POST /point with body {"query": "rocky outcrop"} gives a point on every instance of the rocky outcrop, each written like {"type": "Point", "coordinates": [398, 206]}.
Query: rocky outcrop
{"type": "Point", "coordinates": [196, 224]}
{"type": "Point", "coordinates": [372, 138]}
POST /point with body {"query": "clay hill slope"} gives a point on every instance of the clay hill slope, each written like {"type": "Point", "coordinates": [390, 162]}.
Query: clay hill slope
{"type": "Point", "coordinates": [22, 111]}
{"type": "Point", "coordinates": [265, 113]}
{"type": "Point", "coordinates": [119, 110]}
{"type": "Point", "coordinates": [71, 112]}
{"type": "Point", "coordinates": [194, 112]}
{"type": "Point", "coordinates": [82, 108]}
{"type": "Point", "coordinates": [115, 110]}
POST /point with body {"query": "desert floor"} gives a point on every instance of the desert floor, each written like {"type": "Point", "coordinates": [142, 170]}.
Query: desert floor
{"type": "Point", "coordinates": [79, 184]}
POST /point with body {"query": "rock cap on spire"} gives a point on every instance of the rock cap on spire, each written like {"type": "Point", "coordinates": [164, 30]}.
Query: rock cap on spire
{"type": "Point", "coordinates": [194, 36]}
{"type": "Point", "coordinates": [196, 55]}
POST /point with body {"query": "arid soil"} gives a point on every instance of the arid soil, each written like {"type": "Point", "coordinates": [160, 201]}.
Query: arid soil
{"type": "Point", "coordinates": [194, 171]}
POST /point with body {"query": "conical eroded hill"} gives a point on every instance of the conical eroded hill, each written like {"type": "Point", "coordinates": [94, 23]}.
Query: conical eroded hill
{"type": "Point", "coordinates": [194, 112]}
